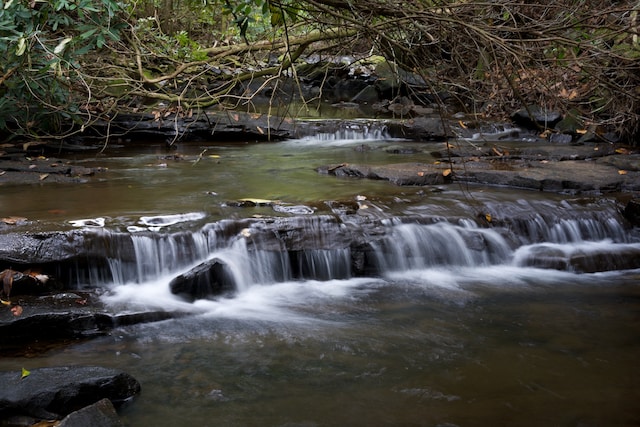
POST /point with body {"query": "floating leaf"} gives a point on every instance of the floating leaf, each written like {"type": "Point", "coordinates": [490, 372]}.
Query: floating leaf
{"type": "Point", "coordinates": [25, 374]}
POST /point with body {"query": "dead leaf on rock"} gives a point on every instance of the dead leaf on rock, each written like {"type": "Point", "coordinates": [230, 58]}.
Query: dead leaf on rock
{"type": "Point", "coordinates": [43, 176]}
{"type": "Point", "coordinates": [622, 172]}
{"type": "Point", "coordinates": [446, 172]}
{"type": "Point", "coordinates": [420, 173]}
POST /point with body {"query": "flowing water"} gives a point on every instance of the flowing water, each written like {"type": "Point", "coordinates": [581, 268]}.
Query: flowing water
{"type": "Point", "coordinates": [457, 324]}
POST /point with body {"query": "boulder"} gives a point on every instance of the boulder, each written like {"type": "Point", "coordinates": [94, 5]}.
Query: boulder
{"type": "Point", "coordinates": [205, 280]}
{"type": "Point", "coordinates": [54, 392]}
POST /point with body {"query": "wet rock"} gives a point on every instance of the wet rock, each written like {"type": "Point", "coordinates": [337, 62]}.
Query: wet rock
{"type": "Point", "coordinates": [582, 260]}
{"type": "Point", "coordinates": [100, 414]}
{"type": "Point", "coordinates": [208, 279]}
{"type": "Point", "coordinates": [632, 211]}
{"type": "Point", "coordinates": [52, 393]}
{"type": "Point", "coordinates": [399, 174]}
{"type": "Point", "coordinates": [62, 317]}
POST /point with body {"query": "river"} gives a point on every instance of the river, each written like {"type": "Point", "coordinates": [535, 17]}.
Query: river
{"type": "Point", "coordinates": [445, 334]}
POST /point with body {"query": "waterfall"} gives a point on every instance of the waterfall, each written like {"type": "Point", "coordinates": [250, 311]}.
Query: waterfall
{"type": "Point", "coordinates": [262, 251]}
{"type": "Point", "coordinates": [352, 131]}
{"type": "Point", "coordinates": [414, 246]}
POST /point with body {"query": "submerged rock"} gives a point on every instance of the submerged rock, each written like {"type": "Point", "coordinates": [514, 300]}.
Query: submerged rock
{"type": "Point", "coordinates": [52, 393]}
{"type": "Point", "coordinates": [100, 414]}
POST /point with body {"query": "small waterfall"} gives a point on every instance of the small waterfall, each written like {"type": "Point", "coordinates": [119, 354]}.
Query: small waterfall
{"type": "Point", "coordinates": [414, 246]}
{"type": "Point", "coordinates": [352, 131]}
{"type": "Point", "coordinates": [262, 251]}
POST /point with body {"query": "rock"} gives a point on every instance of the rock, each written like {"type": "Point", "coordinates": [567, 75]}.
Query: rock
{"type": "Point", "coordinates": [632, 211]}
{"type": "Point", "coordinates": [399, 174]}
{"type": "Point", "coordinates": [560, 138]}
{"type": "Point", "coordinates": [368, 95]}
{"type": "Point", "coordinates": [535, 116]}
{"type": "Point", "coordinates": [205, 280]}
{"type": "Point", "coordinates": [100, 414]}
{"type": "Point", "coordinates": [56, 318]}
{"type": "Point", "coordinates": [52, 393]}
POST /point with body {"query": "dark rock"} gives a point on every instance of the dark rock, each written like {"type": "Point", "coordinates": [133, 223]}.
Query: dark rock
{"type": "Point", "coordinates": [625, 257]}
{"type": "Point", "coordinates": [535, 116]}
{"type": "Point", "coordinates": [100, 414]}
{"type": "Point", "coordinates": [560, 138]}
{"type": "Point", "coordinates": [368, 95]}
{"type": "Point", "coordinates": [205, 280]}
{"type": "Point", "coordinates": [51, 393]}
{"type": "Point", "coordinates": [632, 211]}
{"type": "Point", "coordinates": [62, 317]}
{"type": "Point", "coordinates": [399, 174]}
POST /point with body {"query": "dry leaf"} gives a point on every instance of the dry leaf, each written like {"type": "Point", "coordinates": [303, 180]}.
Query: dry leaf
{"type": "Point", "coordinates": [622, 172]}
{"type": "Point", "coordinates": [581, 131]}
{"type": "Point", "coordinates": [43, 176]}
{"type": "Point", "coordinates": [235, 117]}
{"type": "Point", "coordinates": [260, 130]}
{"type": "Point", "coordinates": [2, 173]}
{"type": "Point", "coordinates": [622, 151]}
{"type": "Point", "coordinates": [420, 173]}
{"type": "Point", "coordinates": [497, 152]}
{"type": "Point", "coordinates": [16, 310]}
{"type": "Point", "coordinates": [487, 217]}
{"type": "Point", "coordinates": [462, 125]}
{"type": "Point", "coordinates": [446, 172]}
{"type": "Point", "coordinates": [13, 220]}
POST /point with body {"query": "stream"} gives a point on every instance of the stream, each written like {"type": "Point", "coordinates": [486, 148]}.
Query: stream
{"type": "Point", "coordinates": [462, 325]}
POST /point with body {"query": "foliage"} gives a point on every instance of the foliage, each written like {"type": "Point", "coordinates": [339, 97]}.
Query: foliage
{"type": "Point", "coordinates": [41, 42]}
{"type": "Point", "coordinates": [64, 59]}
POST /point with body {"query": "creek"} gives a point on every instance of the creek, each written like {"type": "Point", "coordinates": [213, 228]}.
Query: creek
{"type": "Point", "coordinates": [459, 324]}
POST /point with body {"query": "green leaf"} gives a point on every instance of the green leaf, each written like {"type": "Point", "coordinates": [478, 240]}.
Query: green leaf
{"type": "Point", "coordinates": [25, 374]}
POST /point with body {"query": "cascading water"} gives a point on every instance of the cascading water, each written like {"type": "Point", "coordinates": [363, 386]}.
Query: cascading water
{"type": "Point", "coordinates": [262, 252]}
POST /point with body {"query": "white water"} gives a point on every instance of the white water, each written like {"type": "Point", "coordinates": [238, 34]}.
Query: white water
{"type": "Point", "coordinates": [442, 257]}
